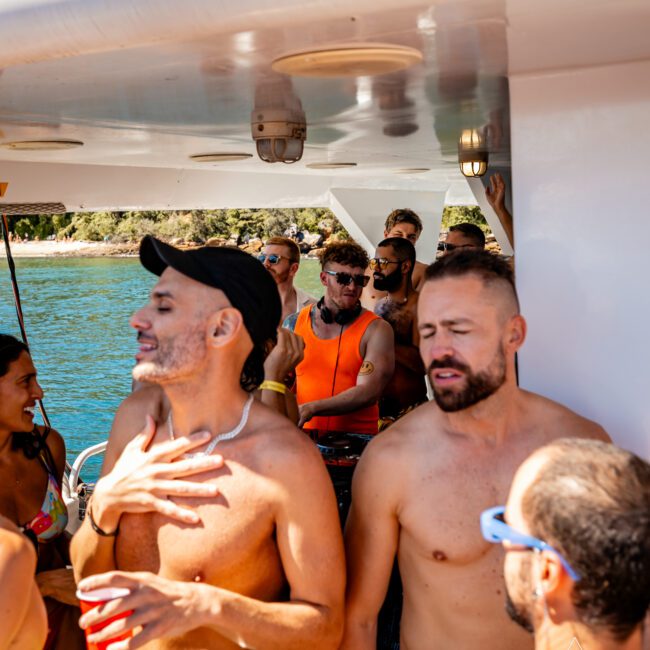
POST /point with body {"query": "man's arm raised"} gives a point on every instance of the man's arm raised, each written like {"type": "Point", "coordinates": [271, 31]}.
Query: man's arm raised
{"type": "Point", "coordinates": [371, 538]}
{"type": "Point", "coordinates": [375, 373]}
{"type": "Point", "coordinates": [311, 549]}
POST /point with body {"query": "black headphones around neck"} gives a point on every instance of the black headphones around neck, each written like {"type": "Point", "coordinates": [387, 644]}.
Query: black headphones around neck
{"type": "Point", "coordinates": [342, 317]}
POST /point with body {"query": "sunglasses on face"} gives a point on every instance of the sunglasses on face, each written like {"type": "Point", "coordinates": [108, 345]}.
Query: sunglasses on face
{"type": "Point", "coordinates": [380, 263]}
{"type": "Point", "coordinates": [344, 278]}
{"type": "Point", "coordinates": [444, 246]}
{"type": "Point", "coordinates": [272, 258]}
{"type": "Point", "coordinates": [496, 531]}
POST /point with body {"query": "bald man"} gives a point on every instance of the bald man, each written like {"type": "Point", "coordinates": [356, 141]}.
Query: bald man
{"type": "Point", "coordinates": [456, 457]}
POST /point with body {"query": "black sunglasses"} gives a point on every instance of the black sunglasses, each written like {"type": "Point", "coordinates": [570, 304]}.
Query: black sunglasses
{"type": "Point", "coordinates": [273, 258]}
{"type": "Point", "coordinates": [345, 278]}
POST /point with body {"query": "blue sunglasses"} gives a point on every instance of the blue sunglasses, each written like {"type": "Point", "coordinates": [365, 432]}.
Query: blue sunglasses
{"type": "Point", "coordinates": [495, 530]}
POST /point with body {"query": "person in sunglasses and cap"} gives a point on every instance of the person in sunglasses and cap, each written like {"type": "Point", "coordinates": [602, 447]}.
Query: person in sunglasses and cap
{"type": "Point", "coordinates": [576, 536]}
{"type": "Point", "coordinates": [281, 258]}
{"type": "Point", "coordinates": [219, 519]}
{"type": "Point", "coordinates": [349, 352]}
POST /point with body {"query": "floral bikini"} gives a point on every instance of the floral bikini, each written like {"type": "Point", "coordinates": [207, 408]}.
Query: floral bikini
{"type": "Point", "coordinates": [51, 520]}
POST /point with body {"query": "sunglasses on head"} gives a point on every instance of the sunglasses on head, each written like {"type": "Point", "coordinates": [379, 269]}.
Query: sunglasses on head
{"type": "Point", "coordinates": [380, 263]}
{"type": "Point", "coordinates": [495, 530]}
{"type": "Point", "coordinates": [444, 246]}
{"type": "Point", "coordinates": [272, 258]}
{"type": "Point", "coordinates": [344, 278]}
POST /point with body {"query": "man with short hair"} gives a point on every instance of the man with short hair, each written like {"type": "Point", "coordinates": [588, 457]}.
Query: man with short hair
{"type": "Point", "coordinates": [349, 352]}
{"type": "Point", "coordinates": [248, 553]}
{"type": "Point", "coordinates": [406, 224]}
{"type": "Point", "coordinates": [456, 456]}
{"type": "Point", "coordinates": [463, 235]}
{"type": "Point", "coordinates": [576, 533]}
{"type": "Point", "coordinates": [281, 258]}
{"type": "Point", "coordinates": [392, 269]}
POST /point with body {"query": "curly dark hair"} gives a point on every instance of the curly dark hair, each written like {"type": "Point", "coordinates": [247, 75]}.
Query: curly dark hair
{"type": "Point", "coordinates": [488, 266]}
{"type": "Point", "coordinates": [403, 215]}
{"type": "Point", "coordinates": [591, 501]}
{"type": "Point", "coordinates": [348, 253]}
{"type": "Point", "coordinates": [10, 349]}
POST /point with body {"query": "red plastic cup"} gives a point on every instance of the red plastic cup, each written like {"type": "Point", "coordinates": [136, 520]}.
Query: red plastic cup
{"type": "Point", "coordinates": [91, 599]}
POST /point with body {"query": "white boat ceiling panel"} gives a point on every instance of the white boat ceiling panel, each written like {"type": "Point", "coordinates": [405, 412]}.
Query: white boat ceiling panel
{"type": "Point", "coordinates": [151, 82]}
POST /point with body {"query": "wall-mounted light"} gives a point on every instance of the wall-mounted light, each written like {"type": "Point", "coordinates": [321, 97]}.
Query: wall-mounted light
{"type": "Point", "coordinates": [279, 134]}
{"type": "Point", "coordinates": [472, 153]}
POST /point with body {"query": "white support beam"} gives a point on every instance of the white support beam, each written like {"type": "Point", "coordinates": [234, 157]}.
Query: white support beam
{"type": "Point", "coordinates": [363, 212]}
{"type": "Point", "coordinates": [581, 199]}
{"type": "Point", "coordinates": [478, 189]}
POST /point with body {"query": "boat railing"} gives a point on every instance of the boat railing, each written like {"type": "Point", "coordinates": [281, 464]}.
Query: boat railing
{"type": "Point", "coordinates": [76, 492]}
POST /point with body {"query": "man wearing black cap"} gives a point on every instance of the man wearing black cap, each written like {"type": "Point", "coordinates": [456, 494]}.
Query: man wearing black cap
{"type": "Point", "coordinates": [240, 549]}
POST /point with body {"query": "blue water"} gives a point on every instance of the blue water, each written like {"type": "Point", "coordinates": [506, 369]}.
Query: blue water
{"type": "Point", "coordinates": [77, 313]}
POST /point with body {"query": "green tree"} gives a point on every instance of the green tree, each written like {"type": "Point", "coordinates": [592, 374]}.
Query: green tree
{"type": "Point", "coordinates": [455, 214]}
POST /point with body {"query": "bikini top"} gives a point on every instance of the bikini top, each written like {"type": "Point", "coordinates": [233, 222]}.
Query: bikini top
{"type": "Point", "coordinates": [52, 519]}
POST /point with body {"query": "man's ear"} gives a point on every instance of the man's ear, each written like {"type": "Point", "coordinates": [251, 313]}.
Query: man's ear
{"type": "Point", "coordinates": [516, 332]}
{"type": "Point", "coordinates": [223, 326]}
{"type": "Point", "coordinates": [323, 278]}
{"type": "Point", "coordinates": [293, 269]}
{"type": "Point", "coordinates": [406, 267]}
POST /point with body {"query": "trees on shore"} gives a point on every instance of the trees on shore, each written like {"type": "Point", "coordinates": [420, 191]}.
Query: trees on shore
{"type": "Point", "coordinates": [198, 226]}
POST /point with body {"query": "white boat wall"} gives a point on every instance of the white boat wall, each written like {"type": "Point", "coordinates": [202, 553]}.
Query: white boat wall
{"type": "Point", "coordinates": [560, 89]}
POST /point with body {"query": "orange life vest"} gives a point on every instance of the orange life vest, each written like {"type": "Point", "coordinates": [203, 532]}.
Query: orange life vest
{"type": "Point", "coordinates": [319, 376]}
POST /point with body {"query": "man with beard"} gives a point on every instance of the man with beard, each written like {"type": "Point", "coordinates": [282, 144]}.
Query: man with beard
{"type": "Point", "coordinates": [420, 486]}
{"type": "Point", "coordinates": [248, 553]}
{"type": "Point", "coordinates": [406, 224]}
{"type": "Point", "coordinates": [349, 352]}
{"type": "Point", "coordinates": [392, 269]}
{"type": "Point", "coordinates": [576, 531]}
{"type": "Point", "coordinates": [281, 258]}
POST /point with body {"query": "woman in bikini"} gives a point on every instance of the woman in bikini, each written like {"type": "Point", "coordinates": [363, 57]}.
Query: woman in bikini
{"type": "Point", "coordinates": [32, 460]}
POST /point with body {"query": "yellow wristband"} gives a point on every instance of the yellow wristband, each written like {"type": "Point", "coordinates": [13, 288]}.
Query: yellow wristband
{"type": "Point", "coordinates": [276, 386]}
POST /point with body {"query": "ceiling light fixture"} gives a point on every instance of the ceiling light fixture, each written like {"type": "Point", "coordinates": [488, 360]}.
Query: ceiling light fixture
{"type": "Point", "coordinates": [279, 134]}
{"type": "Point", "coordinates": [348, 60]}
{"type": "Point", "coordinates": [472, 153]}
{"type": "Point", "coordinates": [331, 165]}
{"type": "Point", "coordinates": [42, 145]}
{"type": "Point", "coordinates": [413, 170]}
{"type": "Point", "coordinates": [220, 157]}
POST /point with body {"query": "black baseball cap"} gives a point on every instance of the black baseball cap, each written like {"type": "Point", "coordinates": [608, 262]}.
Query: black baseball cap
{"type": "Point", "coordinates": [249, 287]}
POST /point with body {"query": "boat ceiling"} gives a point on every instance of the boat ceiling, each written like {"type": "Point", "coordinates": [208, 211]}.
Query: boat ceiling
{"type": "Point", "coordinates": [149, 83]}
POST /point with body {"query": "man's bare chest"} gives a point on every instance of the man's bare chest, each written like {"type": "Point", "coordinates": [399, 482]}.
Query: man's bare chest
{"type": "Point", "coordinates": [234, 539]}
{"type": "Point", "coordinates": [440, 513]}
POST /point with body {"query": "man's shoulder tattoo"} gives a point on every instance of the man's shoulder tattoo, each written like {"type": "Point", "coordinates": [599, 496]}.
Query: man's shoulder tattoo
{"type": "Point", "coordinates": [367, 368]}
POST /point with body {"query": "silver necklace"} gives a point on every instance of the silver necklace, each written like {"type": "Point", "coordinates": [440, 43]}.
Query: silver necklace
{"type": "Point", "coordinates": [228, 435]}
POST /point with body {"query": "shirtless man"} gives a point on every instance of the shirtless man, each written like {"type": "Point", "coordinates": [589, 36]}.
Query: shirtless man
{"type": "Point", "coordinates": [23, 621]}
{"type": "Point", "coordinates": [420, 487]}
{"type": "Point", "coordinates": [281, 258]}
{"type": "Point", "coordinates": [590, 502]}
{"type": "Point", "coordinates": [248, 553]}
{"type": "Point", "coordinates": [392, 269]}
{"type": "Point", "coordinates": [406, 224]}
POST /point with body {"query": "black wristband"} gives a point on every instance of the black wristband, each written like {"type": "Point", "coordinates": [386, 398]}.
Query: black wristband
{"type": "Point", "coordinates": [96, 528]}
